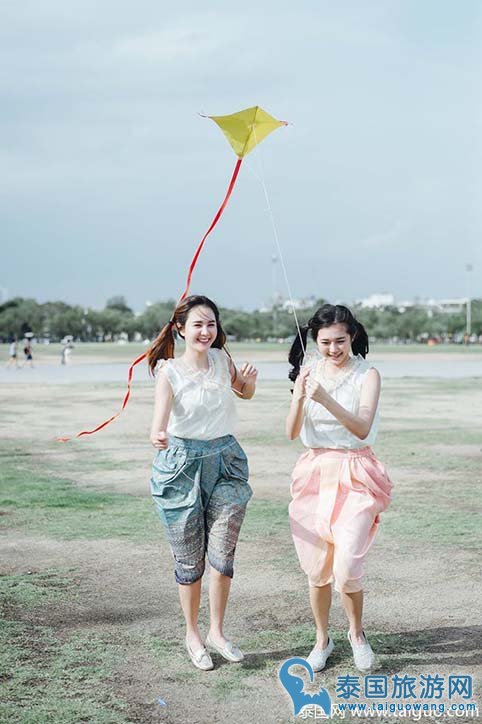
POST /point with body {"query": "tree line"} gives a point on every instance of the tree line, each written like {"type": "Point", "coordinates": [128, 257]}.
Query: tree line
{"type": "Point", "coordinates": [56, 320]}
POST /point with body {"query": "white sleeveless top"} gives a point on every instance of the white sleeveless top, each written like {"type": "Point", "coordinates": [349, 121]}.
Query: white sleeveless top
{"type": "Point", "coordinates": [203, 405]}
{"type": "Point", "coordinates": [320, 428]}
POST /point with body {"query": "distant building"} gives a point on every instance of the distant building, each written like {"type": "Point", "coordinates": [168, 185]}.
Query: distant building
{"type": "Point", "coordinates": [445, 306]}
{"type": "Point", "coordinates": [377, 301]}
{"type": "Point", "coordinates": [304, 303]}
{"type": "Point", "coordinates": [449, 306]}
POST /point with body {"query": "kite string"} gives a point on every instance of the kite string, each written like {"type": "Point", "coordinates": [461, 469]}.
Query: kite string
{"type": "Point", "coordinates": [276, 238]}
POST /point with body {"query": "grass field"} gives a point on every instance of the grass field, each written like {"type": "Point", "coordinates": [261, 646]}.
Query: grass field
{"type": "Point", "coordinates": [91, 629]}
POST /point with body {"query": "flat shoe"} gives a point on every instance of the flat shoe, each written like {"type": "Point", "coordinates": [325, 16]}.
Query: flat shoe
{"type": "Point", "coordinates": [200, 659]}
{"type": "Point", "coordinates": [317, 658]}
{"type": "Point", "coordinates": [230, 651]}
{"type": "Point", "coordinates": [363, 655]}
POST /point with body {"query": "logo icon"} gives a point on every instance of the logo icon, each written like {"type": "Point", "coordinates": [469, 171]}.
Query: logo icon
{"type": "Point", "coordinates": [294, 685]}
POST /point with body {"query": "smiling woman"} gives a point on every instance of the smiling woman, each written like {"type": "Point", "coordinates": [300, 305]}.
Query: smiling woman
{"type": "Point", "coordinates": [339, 488]}
{"type": "Point", "coordinates": [200, 473]}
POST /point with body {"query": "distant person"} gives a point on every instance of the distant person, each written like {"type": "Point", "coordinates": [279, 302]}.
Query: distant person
{"type": "Point", "coordinates": [65, 353]}
{"type": "Point", "coordinates": [28, 354]}
{"type": "Point", "coordinates": [200, 473]}
{"type": "Point", "coordinates": [13, 354]}
{"type": "Point", "coordinates": [339, 488]}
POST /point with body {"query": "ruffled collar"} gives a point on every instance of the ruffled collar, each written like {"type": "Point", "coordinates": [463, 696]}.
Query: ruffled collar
{"type": "Point", "coordinates": [333, 383]}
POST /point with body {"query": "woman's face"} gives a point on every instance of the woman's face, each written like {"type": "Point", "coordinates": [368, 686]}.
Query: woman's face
{"type": "Point", "coordinates": [200, 329]}
{"type": "Point", "coordinates": [334, 343]}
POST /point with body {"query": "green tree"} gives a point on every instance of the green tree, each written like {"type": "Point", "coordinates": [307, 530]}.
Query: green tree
{"type": "Point", "coordinates": [70, 321]}
{"type": "Point", "coordinates": [119, 303]}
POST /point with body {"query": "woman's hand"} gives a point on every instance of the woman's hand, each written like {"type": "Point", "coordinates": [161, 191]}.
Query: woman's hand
{"type": "Point", "coordinates": [160, 440]}
{"type": "Point", "coordinates": [248, 373]}
{"type": "Point", "coordinates": [244, 383]}
{"type": "Point", "coordinates": [316, 392]}
{"type": "Point", "coordinates": [294, 421]}
{"type": "Point", "coordinates": [299, 390]}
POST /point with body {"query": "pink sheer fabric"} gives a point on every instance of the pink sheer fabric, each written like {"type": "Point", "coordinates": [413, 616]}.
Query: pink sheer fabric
{"type": "Point", "coordinates": [337, 498]}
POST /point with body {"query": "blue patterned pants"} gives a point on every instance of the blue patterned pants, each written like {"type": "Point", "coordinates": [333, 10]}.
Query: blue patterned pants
{"type": "Point", "coordinates": [201, 491]}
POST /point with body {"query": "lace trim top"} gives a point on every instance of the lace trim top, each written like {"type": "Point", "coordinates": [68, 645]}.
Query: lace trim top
{"type": "Point", "coordinates": [203, 405]}
{"type": "Point", "coordinates": [320, 428]}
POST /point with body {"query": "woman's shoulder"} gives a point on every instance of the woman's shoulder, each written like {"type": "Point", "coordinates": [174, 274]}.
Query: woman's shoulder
{"type": "Point", "coordinates": [220, 356]}
{"type": "Point", "coordinates": [221, 362]}
{"type": "Point", "coordinates": [164, 365]}
{"type": "Point", "coordinates": [365, 364]}
{"type": "Point", "coordinates": [365, 369]}
{"type": "Point", "coordinates": [218, 353]}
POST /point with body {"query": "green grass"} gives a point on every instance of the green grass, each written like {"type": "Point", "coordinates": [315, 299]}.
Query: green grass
{"type": "Point", "coordinates": [264, 519]}
{"type": "Point", "coordinates": [439, 527]}
{"type": "Point", "coordinates": [28, 590]}
{"type": "Point", "coordinates": [420, 448]}
{"type": "Point", "coordinates": [46, 681]}
{"type": "Point", "coordinates": [55, 507]}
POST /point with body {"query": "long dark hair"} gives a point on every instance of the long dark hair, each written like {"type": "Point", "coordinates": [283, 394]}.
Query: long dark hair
{"type": "Point", "coordinates": [326, 316]}
{"type": "Point", "coordinates": [163, 345]}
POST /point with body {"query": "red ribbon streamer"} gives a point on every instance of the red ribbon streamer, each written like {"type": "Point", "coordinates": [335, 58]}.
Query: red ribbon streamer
{"type": "Point", "coordinates": [184, 295]}
{"type": "Point", "coordinates": [124, 404]}
{"type": "Point", "coordinates": [213, 224]}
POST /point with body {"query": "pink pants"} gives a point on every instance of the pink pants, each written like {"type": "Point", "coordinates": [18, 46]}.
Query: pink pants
{"type": "Point", "coordinates": [337, 498]}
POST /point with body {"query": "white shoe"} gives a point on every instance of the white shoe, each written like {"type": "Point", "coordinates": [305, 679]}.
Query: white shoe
{"type": "Point", "coordinates": [230, 651]}
{"type": "Point", "coordinates": [363, 655]}
{"type": "Point", "coordinates": [200, 658]}
{"type": "Point", "coordinates": [317, 658]}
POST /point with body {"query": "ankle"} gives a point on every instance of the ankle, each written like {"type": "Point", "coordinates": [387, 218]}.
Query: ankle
{"type": "Point", "coordinates": [322, 639]}
{"type": "Point", "coordinates": [192, 632]}
{"type": "Point", "coordinates": [216, 633]}
{"type": "Point", "coordinates": [357, 635]}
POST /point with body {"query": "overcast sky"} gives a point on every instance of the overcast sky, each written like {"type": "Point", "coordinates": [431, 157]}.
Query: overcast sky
{"type": "Point", "coordinates": [109, 177]}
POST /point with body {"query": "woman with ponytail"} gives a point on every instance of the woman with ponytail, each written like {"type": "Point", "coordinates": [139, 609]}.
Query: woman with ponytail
{"type": "Point", "coordinates": [200, 473]}
{"type": "Point", "coordinates": [339, 488]}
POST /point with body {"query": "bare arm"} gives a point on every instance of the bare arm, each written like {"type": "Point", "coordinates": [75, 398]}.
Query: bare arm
{"type": "Point", "coordinates": [360, 424]}
{"type": "Point", "coordinates": [162, 410]}
{"type": "Point", "coordinates": [294, 421]}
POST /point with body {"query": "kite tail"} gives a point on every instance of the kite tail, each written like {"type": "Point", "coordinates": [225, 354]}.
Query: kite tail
{"type": "Point", "coordinates": [114, 417]}
{"type": "Point", "coordinates": [184, 295]}
{"type": "Point", "coordinates": [211, 227]}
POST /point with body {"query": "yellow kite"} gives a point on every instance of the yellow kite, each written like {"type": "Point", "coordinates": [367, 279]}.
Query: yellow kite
{"type": "Point", "coordinates": [247, 128]}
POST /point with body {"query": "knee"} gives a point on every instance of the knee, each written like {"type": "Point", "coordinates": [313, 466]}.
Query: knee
{"type": "Point", "coordinates": [348, 575]}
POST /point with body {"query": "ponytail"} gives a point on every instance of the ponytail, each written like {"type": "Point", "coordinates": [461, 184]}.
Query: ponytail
{"type": "Point", "coordinates": [359, 342]}
{"type": "Point", "coordinates": [297, 351]}
{"type": "Point", "coordinates": [162, 347]}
